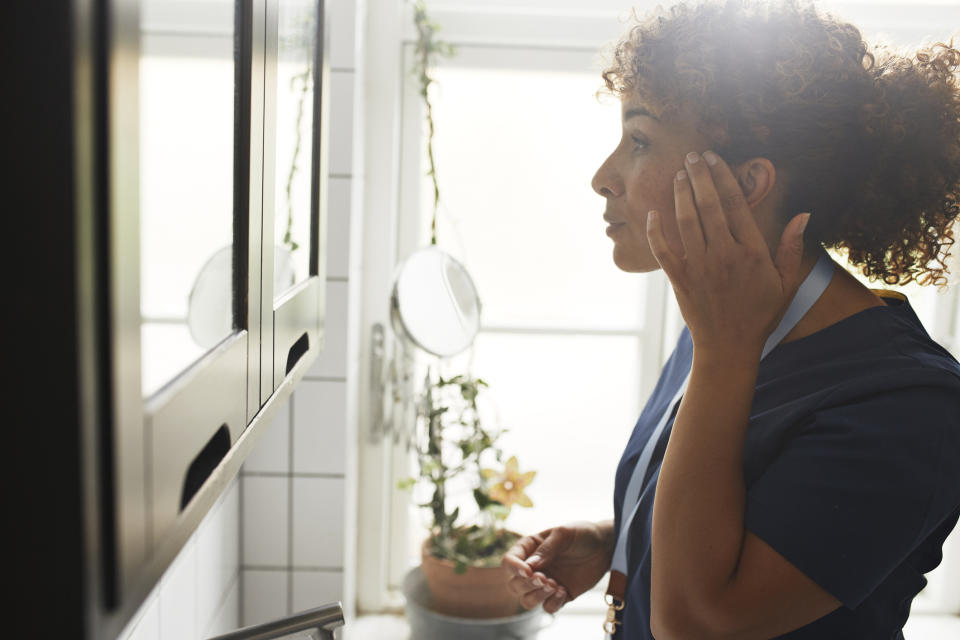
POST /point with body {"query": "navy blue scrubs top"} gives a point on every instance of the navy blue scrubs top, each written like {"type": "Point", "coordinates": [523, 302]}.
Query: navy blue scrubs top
{"type": "Point", "coordinates": [851, 464]}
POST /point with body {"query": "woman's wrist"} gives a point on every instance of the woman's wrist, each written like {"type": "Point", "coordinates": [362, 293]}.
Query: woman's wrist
{"type": "Point", "coordinates": [607, 535]}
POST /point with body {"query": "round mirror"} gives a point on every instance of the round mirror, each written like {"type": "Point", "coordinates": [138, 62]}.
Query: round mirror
{"type": "Point", "coordinates": [434, 303]}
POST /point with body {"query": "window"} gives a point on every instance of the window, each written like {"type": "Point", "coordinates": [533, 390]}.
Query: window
{"type": "Point", "coordinates": [556, 312]}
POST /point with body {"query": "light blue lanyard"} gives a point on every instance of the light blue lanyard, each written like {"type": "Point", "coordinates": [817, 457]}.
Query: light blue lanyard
{"type": "Point", "coordinates": [809, 292]}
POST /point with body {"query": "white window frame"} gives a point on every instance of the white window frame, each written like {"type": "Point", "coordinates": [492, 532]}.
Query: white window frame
{"type": "Point", "coordinates": [391, 231]}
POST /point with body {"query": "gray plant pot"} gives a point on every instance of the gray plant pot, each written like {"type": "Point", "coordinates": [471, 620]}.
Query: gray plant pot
{"type": "Point", "coordinates": [430, 625]}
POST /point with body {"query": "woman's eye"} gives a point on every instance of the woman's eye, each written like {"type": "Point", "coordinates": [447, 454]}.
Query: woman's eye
{"type": "Point", "coordinates": [639, 143]}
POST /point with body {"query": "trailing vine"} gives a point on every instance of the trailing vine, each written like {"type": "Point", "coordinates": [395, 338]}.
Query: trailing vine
{"type": "Point", "coordinates": [428, 48]}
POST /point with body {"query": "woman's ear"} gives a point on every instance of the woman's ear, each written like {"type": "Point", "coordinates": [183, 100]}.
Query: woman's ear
{"type": "Point", "coordinates": [756, 177]}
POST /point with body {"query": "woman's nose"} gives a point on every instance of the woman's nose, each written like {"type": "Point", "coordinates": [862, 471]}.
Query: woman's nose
{"type": "Point", "coordinates": [605, 181]}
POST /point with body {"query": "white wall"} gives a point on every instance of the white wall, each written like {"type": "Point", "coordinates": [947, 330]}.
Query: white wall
{"type": "Point", "coordinates": [297, 498]}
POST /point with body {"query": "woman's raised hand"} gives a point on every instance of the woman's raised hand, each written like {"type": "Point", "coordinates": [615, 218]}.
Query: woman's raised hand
{"type": "Point", "coordinates": [730, 291]}
{"type": "Point", "coordinates": [558, 564]}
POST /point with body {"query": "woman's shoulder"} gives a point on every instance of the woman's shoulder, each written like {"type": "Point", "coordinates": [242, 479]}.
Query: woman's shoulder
{"type": "Point", "coordinates": [870, 358]}
{"type": "Point", "coordinates": [877, 341]}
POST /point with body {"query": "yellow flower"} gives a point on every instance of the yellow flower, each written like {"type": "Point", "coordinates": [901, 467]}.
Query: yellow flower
{"type": "Point", "coordinates": [509, 488]}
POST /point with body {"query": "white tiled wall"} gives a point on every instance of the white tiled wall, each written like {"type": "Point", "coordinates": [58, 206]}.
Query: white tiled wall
{"type": "Point", "coordinates": [297, 538]}
{"type": "Point", "coordinates": [199, 595]}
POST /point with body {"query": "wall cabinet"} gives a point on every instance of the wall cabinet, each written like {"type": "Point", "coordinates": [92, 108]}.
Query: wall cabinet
{"type": "Point", "coordinates": [196, 164]}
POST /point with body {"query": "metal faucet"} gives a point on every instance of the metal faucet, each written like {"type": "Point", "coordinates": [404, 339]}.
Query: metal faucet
{"type": "Point", "coordinates": [322, 619]}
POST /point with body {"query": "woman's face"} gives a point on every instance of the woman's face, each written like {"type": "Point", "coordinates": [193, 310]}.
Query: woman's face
{"type": "Point", "coordinates": [638, 177]}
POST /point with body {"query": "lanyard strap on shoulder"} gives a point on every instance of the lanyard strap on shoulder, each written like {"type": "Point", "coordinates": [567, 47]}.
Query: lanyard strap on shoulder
{"type": "Point", "coordinates": [807, 295]}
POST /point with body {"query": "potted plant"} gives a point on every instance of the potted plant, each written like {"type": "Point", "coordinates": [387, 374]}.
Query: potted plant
{"type": "Point", "coordinates": [459, 456]}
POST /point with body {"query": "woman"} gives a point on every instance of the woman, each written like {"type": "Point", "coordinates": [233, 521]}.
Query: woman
{"type": "Point", "coordinates": [810, 473]}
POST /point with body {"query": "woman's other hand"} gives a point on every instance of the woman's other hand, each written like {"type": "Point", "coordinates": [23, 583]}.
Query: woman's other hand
{"type": "Point", "coordinates": [731, 290]}
{"type": "Point", "coordinates": [560, 563]}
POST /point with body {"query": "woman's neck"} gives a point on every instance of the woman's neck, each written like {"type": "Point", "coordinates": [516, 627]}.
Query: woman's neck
{"type": "Point", "coordinates": [844, 296]}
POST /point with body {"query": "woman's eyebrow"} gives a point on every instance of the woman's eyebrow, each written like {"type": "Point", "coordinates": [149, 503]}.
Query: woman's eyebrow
{"type": "Point", "coordinates": [634, 112]}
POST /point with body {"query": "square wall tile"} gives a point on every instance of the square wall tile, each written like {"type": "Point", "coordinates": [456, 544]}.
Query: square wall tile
{"type": "Point", "coordinates": [178, 596]}
{"type": "Point", "coordinates": [319, 427]}
{"type": "Point", "coordinates": [316, 588]}
{"type": "Point", "coordinates": [265, 521]}
{"type": "Point", "coordinates": [218, 559]}
{"type": "Point", "coordinates": [272, 451]}
{"type": "Point", "coordinates": [341, 112]}
{"type": "Point", "coordinates": [318, 522]}
{"type": "Point", "coordinates": [264, 596]}
{"type": "Point", "coordinates": [343, 34]}
{"type": "Point", "coordinates": [332, 361]}
{"type": "Point", "coordinates": [338, 227]}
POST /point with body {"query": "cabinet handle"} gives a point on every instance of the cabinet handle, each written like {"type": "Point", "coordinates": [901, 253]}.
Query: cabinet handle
{"type": "Point", "coordinates": [300, 347]}
{"type": "Point", "coordinates": [204, 464]}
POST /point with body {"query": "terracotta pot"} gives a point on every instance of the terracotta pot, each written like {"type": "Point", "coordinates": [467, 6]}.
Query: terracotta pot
{"type": "Point", "coordinates": [481, 592]}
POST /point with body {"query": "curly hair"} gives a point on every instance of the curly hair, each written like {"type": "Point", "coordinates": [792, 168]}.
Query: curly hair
{"type": "Point", "coordinates": [869, 139]}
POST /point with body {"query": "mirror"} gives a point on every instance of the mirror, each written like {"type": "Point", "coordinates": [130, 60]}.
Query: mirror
{"type": "Point", "coordinates": [187, 126]}
{"type": "Point", "coordinates": [434, 303]}
{"type": "Point", "coordinates": [209, 310]}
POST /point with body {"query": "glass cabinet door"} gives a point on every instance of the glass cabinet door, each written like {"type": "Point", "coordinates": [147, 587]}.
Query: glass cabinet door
{"type": "Point", "coordinates": [293, 185]}
{"type": "Point", "coordinates": [187, 123]}
{"type": "Point", "coordinates": [193, 330]}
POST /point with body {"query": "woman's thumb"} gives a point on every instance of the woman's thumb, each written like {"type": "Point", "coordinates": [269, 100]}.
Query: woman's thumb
{"type": "Point", "coordinates": [547, 550]}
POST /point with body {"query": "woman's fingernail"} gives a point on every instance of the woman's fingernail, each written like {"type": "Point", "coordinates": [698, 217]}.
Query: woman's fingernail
{"type": "Point", "coordinates": [710, 157]}
{"type": "Point", "coordinates": [803, 223]}
{"type": "Point", "coordinates": [681, 175]}
{"type": "Point", "coordinates": [549, 589]}
{"type": "Point", "coordinates": [534, 559]}
{"type": "Point", "coordinates": [537, 582]}
{"type": "Point", "coordinates": [693, 158]}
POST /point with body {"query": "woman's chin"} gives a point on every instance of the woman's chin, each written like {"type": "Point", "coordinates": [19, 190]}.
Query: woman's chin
{"type": "Point", "coordinates": [633, 262]}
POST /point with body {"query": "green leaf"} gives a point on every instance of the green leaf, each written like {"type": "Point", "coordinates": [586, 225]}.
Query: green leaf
{"type": "Point", "coordinates": [460, 567]}
{"type": "Point", "coordinates": [483, 500]}
{"type": "Point", "coordinates": [406, 483]}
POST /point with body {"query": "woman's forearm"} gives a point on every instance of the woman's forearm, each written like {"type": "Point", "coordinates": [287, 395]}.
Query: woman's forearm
{"type": "Point", "coordinates": [699, 504]}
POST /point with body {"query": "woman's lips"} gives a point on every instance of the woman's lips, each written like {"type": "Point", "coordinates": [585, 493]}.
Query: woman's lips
{"type": "Point", "coordinates": [613, 227]}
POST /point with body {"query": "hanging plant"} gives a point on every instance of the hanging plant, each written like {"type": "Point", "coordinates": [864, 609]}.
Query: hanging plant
{"type": "Point", "coordinates": [428, 48]}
